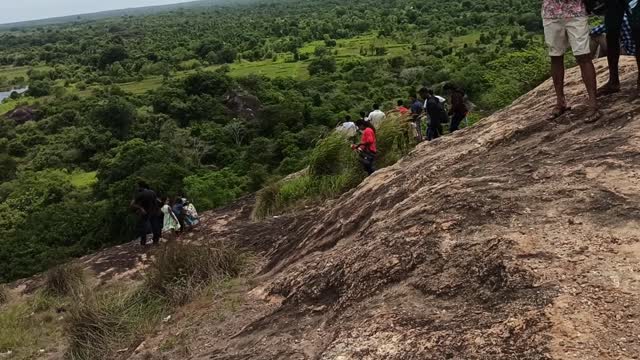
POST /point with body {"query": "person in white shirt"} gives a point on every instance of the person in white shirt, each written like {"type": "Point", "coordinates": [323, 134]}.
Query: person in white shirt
{"type": "Point", "coordinates": [348, 127]}
{"type": "Point", "coordinates": [376, 117]}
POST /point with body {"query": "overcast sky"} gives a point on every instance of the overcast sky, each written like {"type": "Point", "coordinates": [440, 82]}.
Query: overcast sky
{"type": "Point", "coordinates": [21, 10]}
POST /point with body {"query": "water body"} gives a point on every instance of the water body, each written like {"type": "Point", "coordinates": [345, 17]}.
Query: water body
{"type": "Point", "coordinates": [6, 94]}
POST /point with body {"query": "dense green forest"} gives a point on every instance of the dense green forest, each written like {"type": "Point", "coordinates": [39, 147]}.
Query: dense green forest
{"type": "Point", "coordinates": [214, 103]}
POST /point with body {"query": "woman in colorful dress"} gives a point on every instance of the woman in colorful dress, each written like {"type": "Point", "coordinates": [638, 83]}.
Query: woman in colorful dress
{"type": "Point", "coordinates": [171, 223]}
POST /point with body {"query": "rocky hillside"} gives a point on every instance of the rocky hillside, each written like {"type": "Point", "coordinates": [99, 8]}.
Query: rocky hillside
{"type": "Point", "coordinates": [517, 238]}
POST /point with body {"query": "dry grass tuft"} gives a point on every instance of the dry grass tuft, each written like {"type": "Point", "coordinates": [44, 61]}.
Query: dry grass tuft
{"type": "Point", "coordinates": [182, 270]}
{"type": "Point", "coordinates": [65, 280]}
{"type": "Point", "coordinates": [103, 323]}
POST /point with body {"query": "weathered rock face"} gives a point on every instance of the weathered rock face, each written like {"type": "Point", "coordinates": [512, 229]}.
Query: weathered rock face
{"type": "Point", "coordinates": [242, 105]}
{"type": "Point", "coordinates": [518, 238]}
{"type": "Point", "coordinates": [22, 114]}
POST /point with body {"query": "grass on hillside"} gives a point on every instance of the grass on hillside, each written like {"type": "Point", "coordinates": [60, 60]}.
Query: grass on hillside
{"type": "Point", "coordinates": [12, 72]}
{"type": "Point", "coordinates": [4, 294]}
{"type": "Point", "coordinates": [65, 280]}
{"type": "Point", "coordinates": [96, 323]}
{"type": "Point", "coordinates": [30, 326]}
{"type": "Point", "coordinates": [333, 169]}
{"type": "Point", "coordinates": [102, 323]}
{"type": "Point", "coordinates": [181, 271]}
{"type": "Point", "coordinates": [9, 104]}
{"type": "Point", "coordinates": [141, 87]}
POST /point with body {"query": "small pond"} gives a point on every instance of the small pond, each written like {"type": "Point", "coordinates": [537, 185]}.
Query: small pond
{"type": "Point", "coordinates": [6, 94]}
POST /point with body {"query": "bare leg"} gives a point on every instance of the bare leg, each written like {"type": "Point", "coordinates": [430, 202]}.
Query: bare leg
{"type": "Point", "coordinates": [636, 38]}
{"type": "Point", "coordinates": [591, 83]}
{"type": "Point", "coordinates": [557, 73]}
{"type": "Point", "coordinates": [613, 58]}
{"type": "Point", "coordinates": [589, 78]}
{"type": "Point", "coordinates": [613, 21]}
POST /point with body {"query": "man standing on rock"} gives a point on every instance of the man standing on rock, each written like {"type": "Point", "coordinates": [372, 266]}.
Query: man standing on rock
{"type": "Point", "coordinates": [566, 24]}
{"type": "Point", "coordinates": [435, 112]}
{"type": "Point", "coordinates": [617, 11]}
{"type": "Point", "coordinates": [149, 215]}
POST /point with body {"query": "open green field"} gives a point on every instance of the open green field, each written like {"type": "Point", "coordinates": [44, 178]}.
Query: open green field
{"type": "Point", "coordinates": [9, 104]}
{"type": "Point", "coordinates": [468, 39]}
{"type": "Point", "coordinates": [345, 49]}
{"type": "Point", "coordinates": [349, 48]}
{"type": "Point", "coordinates": [271, 69]}
{"type": "Point", "coordinates": [10, 72]}
{"type": "Point", "coordinates": [141, 87]}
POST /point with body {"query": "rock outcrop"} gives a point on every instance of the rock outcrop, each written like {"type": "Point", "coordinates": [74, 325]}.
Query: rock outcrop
{"type": "Point", "coordinates": [518, 238]}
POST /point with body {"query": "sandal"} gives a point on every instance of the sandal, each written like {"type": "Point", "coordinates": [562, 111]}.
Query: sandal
{"type": "Point", "coordinates": [593, 116]}
{"type": "Point", "coordinates": [559, 111]}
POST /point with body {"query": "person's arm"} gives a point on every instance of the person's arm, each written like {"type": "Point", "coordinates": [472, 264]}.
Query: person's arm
{"type": "Point", "coordinates": [173, 215]}
{"type": "Point", "coordinates": [137, 208]}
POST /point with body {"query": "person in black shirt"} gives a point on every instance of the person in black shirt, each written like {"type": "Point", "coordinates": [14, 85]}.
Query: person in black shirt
{"type": "Point", "coordinates": [147, 208]}
{"type": "Point", "coordinates": [436, 113]}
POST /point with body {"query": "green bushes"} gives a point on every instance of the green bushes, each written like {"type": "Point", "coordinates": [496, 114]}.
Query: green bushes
{"type": "Point", "coordinates": [215, 188]}
{"type": "Point", "coordinates": [331, 156]}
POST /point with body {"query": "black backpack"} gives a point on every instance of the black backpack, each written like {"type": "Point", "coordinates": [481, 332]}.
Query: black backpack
{"type": "Point", "coordinates": [596, 7]}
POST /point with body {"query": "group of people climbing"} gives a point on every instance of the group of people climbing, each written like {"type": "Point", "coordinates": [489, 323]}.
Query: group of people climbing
{"type": "Point", "coordinates": [426, 106]}
{"type": "Point", "coordinates": [161, 216]}
{"type": "Point", "coordinates": [566, 24]}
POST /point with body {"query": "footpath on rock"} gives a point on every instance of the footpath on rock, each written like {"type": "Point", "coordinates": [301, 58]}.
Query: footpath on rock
{"type": "Point", "coordinates": [518, 238]}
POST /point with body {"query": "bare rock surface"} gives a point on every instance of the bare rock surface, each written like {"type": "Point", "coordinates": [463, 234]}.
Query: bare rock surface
{"type": "Point", "coordinates": [518, 238]}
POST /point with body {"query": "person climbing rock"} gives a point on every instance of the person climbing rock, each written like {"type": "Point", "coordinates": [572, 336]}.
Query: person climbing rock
{"type": "Point", "coordinates": [566, 24]}
{"type": "Point", "coordinates": [436, 113]}
{"type": "Point", "coordinates": [347, 127]}
{"type": "Point", "coordinates": [376, 117]}
{"type": "Point", "coordinates": [617, 12]}
{"type": "Point", "coordinates": [170, 220]}
{"type": "Point", "coordinates": [367, 149]}
{"type": "Point", "coordinates": [191, 214]}
{"type": "Point", "coordinates": [459, 108]}
{"type": "Point", "coordinates": [416, 115]}
{"type": "Point", "coordinates": [400, 108]}
{"type": "Point", "coordinates": [180, 213]}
